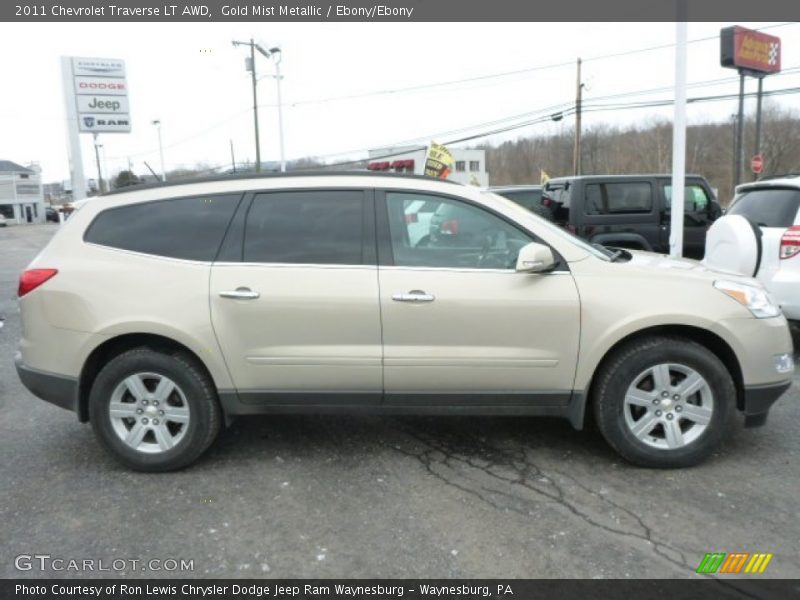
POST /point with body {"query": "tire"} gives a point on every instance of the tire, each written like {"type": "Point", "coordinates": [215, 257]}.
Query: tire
{"type": "Point", "coordinates": [649, 429]}
{"type": "Point", "coordinates": [169, 392]}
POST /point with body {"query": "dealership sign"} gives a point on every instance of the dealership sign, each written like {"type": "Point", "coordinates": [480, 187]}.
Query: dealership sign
{"type": "Point", "coordinates": [742, 48]}
{"type": "Point", "coordinates": [100, 95]}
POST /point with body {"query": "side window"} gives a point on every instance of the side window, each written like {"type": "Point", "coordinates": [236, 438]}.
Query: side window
{"type": "Point", "coordinates": [313, 227]}
{"type": "Point", "coordinates": [695, 198]}
{"type": "Point", "coordinates": [594, 199]}
{"type": "Point", "coordinates": [187, 228]}
{"type": "Point", "coordinates": [619, 198]}
{"type": "Point", "coordinates": [457, 235]}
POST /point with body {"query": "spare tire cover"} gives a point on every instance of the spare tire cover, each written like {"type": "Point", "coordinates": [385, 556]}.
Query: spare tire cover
{"type": "Point", "coordinates": [733, 245]}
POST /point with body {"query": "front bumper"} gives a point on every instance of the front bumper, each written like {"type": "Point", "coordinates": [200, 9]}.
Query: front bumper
{"type": "Point", "coordinates": [56, 389]}
{"type": "Point", "coordinates": [758, 399]}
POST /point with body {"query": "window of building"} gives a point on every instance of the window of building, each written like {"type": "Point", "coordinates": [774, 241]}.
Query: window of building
{"type": "Point", "coordinates": [474, 165]}
{"type": "Point", "coordinates": [460, 165]}
{"type": "Point", "coordinates": [188, 228]}
{"type": "Point", "coordinates": [7, 210]}
{"type": "Point", "coordinates": [313, 227]}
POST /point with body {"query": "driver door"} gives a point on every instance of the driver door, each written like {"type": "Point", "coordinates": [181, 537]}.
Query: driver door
{"type": "Point", "coordinates": [460, 325]}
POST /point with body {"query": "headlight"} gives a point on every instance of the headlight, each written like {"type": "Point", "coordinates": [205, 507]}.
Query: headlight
{"type": "Point", "coordinates": [751, 297]}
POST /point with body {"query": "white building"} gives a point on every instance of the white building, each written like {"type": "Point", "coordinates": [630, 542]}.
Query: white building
{"type": "Point", "coordinates": [469, 168]}
{"type": "Point", "coordinates": [21, 198]}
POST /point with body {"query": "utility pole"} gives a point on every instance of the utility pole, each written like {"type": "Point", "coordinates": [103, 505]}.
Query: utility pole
{"type": "Point", "coordinates": [734, 117]}
{"type": "Point", "coordinates": [233, 158]}
{"type": "Point", "coordinates": [100, 185]}
{"type": "Point", "coordinates": [576, 155]}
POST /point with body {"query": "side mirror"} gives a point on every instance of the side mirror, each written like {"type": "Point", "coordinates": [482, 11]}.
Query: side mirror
{"type": "Point", "coordinates": [535, 258]}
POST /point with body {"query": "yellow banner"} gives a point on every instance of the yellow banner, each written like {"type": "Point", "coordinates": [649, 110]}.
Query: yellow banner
{"type": "Point", "coordinates": [439, 161]}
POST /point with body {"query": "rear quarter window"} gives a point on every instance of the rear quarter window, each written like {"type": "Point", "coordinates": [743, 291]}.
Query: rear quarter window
{"type": "Point", "coordinates": [186, 228]}
{"type": "Point", "coordinates": [525, 198]}
{"type": "Point", "coordinates": [768, 207]}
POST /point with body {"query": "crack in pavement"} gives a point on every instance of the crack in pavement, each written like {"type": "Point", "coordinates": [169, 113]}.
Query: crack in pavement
{"type": "Point", "coordinates": [516, 469]}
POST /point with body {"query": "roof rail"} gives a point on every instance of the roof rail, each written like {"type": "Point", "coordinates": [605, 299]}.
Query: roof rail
{"type": "Point", "coordinates": [245, 176]}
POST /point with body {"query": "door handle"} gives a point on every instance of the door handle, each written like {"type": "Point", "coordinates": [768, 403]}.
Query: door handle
{"type": "Point", "coordinates": [414, 296]}
{"type": "Point", "coordinates": [241, 293]}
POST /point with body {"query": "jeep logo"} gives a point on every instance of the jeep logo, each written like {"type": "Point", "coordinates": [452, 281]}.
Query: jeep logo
{"type": "Point", "coordinates": [110, 105]}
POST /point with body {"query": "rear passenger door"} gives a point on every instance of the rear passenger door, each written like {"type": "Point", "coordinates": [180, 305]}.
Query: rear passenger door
{"type": "Point", "coordinates": [621, 213]}
{"type": "Point", "coordinates": [294, 299]}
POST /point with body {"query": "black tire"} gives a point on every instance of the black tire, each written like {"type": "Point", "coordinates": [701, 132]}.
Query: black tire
{"type": "Point", "coordinates": [621, 369]}
{"type": "Point", "coordinates": [189, 377]}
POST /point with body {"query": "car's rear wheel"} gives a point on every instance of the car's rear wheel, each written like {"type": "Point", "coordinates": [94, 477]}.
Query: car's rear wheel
{"type": "Point", "coordinates": [664, 402]}
{"type": "Point", "coordinates": [155, 411]}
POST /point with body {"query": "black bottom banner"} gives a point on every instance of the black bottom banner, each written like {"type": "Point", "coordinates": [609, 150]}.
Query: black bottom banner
{"type": "Point", "coordinates": [384, 589]}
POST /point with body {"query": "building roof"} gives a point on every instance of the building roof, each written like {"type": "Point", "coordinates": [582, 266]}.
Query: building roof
{"type": "Point", "coordinates": [8, 166]}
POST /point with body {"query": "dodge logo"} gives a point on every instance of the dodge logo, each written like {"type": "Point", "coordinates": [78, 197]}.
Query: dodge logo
{"type": "Point", "coordinates": [88, 121]}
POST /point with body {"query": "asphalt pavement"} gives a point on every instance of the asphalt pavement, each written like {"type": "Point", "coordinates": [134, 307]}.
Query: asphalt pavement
{"type": "Point", "coordinates": [389, 497]}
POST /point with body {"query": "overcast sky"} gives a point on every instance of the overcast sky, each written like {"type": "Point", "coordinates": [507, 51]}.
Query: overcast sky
{"type": "Point", "coordinates": [191, 78]}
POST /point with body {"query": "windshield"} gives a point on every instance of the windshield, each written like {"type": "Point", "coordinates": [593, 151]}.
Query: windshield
{"type": "Point", "coordinates": [773, 207]}
{"type": "Point", "coordinates": [599, 252]}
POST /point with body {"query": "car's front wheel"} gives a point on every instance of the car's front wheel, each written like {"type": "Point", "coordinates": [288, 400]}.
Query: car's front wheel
{"type": "Point", "coordinates": [155, 411]}
{"type": "Point", "coordinates": [664, 402]}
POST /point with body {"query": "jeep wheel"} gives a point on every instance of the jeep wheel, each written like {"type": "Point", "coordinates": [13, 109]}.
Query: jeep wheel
{"type": "Point", "coordinates": [664, 402]}
{"type": "Point", "coordinates": [154, 411]}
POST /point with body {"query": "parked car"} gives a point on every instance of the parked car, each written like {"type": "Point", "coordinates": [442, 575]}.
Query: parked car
{"type": "Point", "coordinates": [631, 211]}
{"type": "Point", "coordinates": [773, 206]}
{"type": "Point", "coordinates": [51, 214]}
{"type": "Point", "coordinates": [527, 196]}
{"type": "Point", "coordinates": [161, 313]}
{"type": "Point", "coordinates": [3, 222]}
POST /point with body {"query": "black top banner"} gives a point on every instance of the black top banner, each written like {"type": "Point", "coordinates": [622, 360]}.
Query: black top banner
{"type": "Point", "coordinates": [399, 10]}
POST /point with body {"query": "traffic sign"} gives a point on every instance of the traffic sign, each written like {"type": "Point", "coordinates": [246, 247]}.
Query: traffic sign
{"type": "Point", "coordinates": [757, 163]}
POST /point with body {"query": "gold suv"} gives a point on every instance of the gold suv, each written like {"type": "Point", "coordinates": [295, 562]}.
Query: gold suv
{"type": "Point", "coordinates": [160, 313]}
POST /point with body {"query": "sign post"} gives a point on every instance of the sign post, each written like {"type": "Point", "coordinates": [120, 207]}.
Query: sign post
{"type": "Point", "coordinates": [753, 54]}
{"type": "Point", "coordinates": [96, 99]}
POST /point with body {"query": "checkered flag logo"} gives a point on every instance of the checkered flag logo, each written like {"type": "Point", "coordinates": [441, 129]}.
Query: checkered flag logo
{"type": "Point", "coordinates": [773, 53]}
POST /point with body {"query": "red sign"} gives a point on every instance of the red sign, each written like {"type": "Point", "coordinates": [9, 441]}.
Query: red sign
{"type": "Point", "coordinates": [757, 163]}
{"type": "Point", "coordinates": [742, 48]}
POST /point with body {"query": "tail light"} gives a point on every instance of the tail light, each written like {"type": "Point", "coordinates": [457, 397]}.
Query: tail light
{"type": "Point", "coordinates": [449, 227]}
{"type": "Point", "coordinates": [572, 229]}
{"type": "Point", "coordinates": [547, 202]}
{"type": "Point", "coordinates": [32, 279]}
{"type": "Point", "coordinates": [411, 218]}
{"type": "Point", "coordinates": [790, 242]}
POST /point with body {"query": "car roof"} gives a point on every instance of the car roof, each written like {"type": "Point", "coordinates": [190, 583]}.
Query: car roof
{"type": "Point", "coordinates": [296, 180]}
{"type": "Point", "coordinates": [780, 181]}
{"type": "Point", "coordinates": [253, 176]}
{"type": "Point", "coordinates": [616, 177]}
{"type": "Point", "coordinates": [514, 188]}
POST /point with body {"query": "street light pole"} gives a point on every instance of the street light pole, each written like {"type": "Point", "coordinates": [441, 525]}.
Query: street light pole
{"type": "Point", "coordinates": [157, 123]}
{"type": "Point", "coordinates": [252, 68]}
{"type": "Point", "coordinates": [278, 78]}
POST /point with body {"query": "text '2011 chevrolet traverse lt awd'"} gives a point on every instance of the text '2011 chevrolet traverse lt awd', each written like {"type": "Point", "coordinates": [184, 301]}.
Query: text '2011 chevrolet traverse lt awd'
{"type": "Point", "coordinates": [158, 314]}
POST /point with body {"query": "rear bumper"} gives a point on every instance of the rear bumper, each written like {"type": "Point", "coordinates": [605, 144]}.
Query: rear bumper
{"type": "Point", "coordinates": [56, 389]}
{"type": "Point", "coordinates": [758, 399]}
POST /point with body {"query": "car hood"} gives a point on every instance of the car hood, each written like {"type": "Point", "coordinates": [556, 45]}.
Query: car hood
{"type": "Point", "coordinates": [662, 265]}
